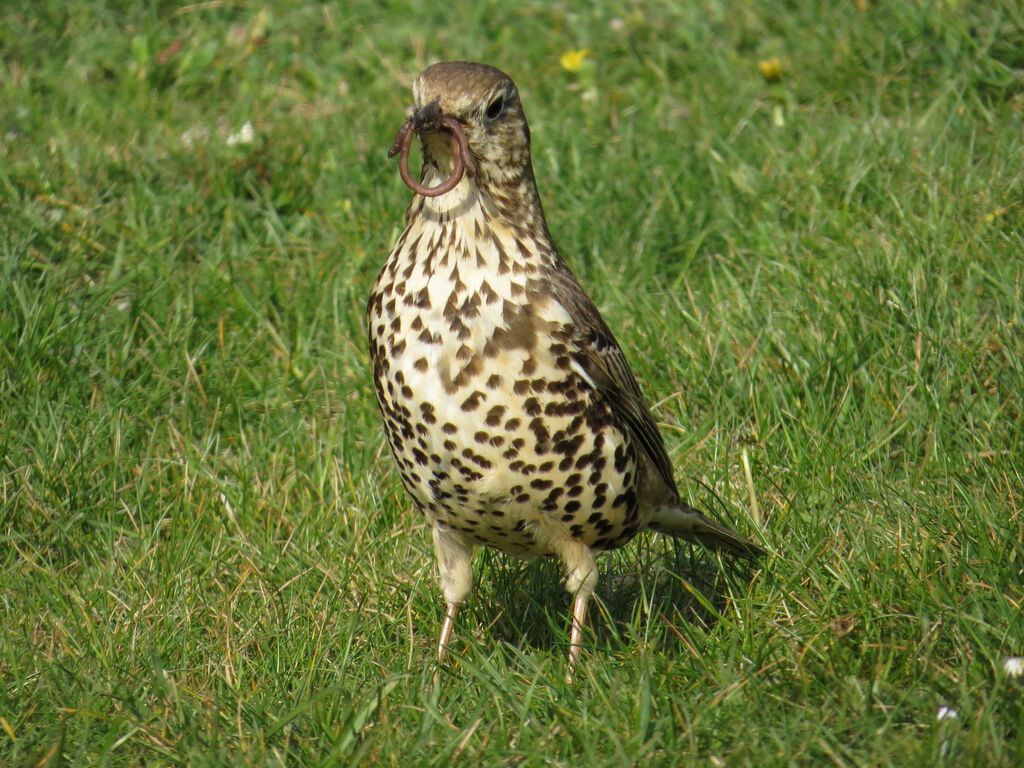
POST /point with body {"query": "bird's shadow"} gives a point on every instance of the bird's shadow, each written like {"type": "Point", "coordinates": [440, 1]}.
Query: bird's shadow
{"type": "Point", "coordinates": [525, 604]}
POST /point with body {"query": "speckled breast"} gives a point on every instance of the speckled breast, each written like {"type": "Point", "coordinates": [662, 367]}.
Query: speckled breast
{"type": "Point", "coordinates": [494, 433]}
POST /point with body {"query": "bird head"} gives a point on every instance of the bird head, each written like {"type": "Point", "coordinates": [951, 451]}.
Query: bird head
{"type": "Point", "coordinates": [470, 122]}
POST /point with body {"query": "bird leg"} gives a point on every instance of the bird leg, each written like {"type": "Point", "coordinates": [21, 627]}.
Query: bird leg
{"type": "Point", "coordinates": [579, 615]}
{"type": "Point", "coordinates": [582, 579]}
{"type": "Point", "coordinates": [446, 630]}
{"type": "Point", "coordinates": [456, 576]}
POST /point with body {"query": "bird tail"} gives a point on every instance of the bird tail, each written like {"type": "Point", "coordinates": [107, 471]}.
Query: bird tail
{"type": "Point", "coordinates": [684, 522]}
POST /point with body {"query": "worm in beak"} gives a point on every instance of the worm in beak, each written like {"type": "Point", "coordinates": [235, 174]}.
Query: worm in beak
{"type": "Point", "coordinates": [430, 118]}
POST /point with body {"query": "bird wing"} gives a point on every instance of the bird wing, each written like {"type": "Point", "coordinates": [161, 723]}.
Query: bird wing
{"type": "Point", "coordinates": [603, 364]}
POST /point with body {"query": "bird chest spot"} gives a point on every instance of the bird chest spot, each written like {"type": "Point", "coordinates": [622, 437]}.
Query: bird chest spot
{"type": "Point", "coordinates": [494, 415]}
{"type": "Point", "coordinates": [488, 294]}
{"type": "Point", "coordinates": [427, 413]}
{"type": "Point", "coordinates": [473, 402]}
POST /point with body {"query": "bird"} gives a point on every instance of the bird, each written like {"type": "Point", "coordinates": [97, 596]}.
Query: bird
{"type": "Point", "coordinates": [511, 412]}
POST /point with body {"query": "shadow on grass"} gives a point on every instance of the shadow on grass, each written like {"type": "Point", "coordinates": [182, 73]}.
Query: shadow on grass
{"type": "Point", "coordinates": [525, 604]}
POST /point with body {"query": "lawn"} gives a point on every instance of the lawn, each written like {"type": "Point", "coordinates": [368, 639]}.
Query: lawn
{"type": "Point", "coordinates": [803, 220]}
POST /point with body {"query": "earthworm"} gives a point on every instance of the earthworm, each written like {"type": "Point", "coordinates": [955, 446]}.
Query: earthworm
{"type": "Point", "coordinates": [460, 157]}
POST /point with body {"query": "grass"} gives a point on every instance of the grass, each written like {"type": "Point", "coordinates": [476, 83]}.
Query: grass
{"type": "Point", "coordinates": [207, 557]}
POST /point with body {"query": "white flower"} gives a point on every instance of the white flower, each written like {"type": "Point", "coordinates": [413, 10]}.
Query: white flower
{"type": "Point", "coordinates": [947, 713]}
{"type": "Point", "coordinates": [193, 136]}
{"type": "Point", "coordinates": [244, 136]}
{"type": "Point", "coordinates": [1014, 666]}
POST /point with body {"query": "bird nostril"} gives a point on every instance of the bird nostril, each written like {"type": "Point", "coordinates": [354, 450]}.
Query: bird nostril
{"type": "Point", "coordinates": [460, 158]}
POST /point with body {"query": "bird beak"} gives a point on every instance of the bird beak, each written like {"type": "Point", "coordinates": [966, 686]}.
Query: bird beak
{"type": "Point", "coordinates": [427, 118]}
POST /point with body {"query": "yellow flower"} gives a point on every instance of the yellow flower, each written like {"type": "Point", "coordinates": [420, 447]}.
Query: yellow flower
{"type": "Point", "coordinates": [573, 60]}
{"type": "Point", "coordinates": [990, 217]}
{"type": "Point", "coordinates": [771, 69]}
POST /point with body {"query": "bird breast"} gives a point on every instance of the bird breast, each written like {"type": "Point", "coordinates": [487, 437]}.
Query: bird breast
{"type": "Point", "coordinates": [474, 373]}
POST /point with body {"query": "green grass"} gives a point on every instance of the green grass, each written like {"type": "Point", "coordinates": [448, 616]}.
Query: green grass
{"type": "Point", "coordinates": [207, 557]}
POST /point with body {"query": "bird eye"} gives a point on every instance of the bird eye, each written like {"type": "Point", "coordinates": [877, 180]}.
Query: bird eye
{"type": "Point", "coordinates": [496, 109]}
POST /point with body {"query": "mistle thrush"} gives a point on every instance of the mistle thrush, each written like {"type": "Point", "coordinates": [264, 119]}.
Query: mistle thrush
{"type": "Point", "coordinates": [512, 414]}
